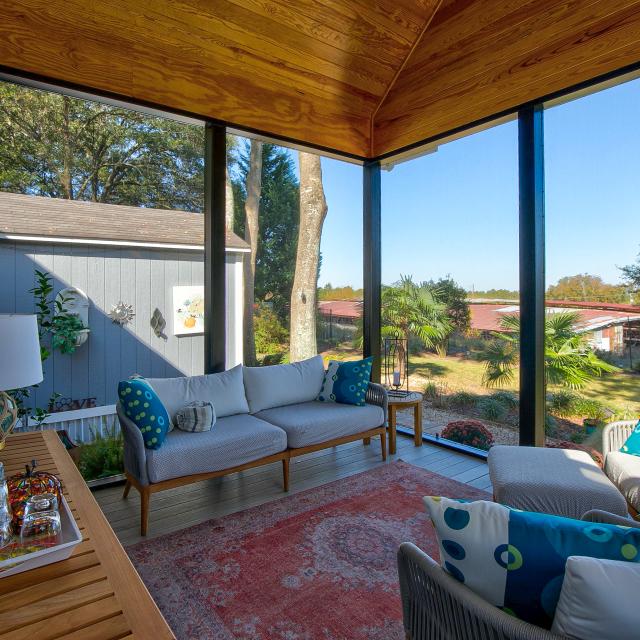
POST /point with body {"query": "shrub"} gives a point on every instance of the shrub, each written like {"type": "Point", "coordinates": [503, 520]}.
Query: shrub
{"type": "Point", "coordinates": [594, 409]}
{"type": "Point", "coordinates": [469, 432]}
{"type": "Point", "coordinates": [508, 398]}
{"type": "Point", "coordinates": [563, 403]}
{"type": "Point", "coordinates": [492, 409]}
{"type": "Point", "coordinates": [431, 390]}
{"type": "Point", "coordinates": [550, 424]}
{"type": "Point", "coordinates": [270, 335]}
{"type": "Point", "coordinates": [462, 399]}
{"type": "Point", "coordinates": [104, 456]}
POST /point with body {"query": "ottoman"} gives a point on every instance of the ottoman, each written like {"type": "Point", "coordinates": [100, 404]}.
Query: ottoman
{"type": "Point", "coordinates": [562, 482]}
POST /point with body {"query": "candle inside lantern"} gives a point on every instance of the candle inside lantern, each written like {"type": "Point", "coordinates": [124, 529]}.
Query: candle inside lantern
{"type": "Point", "coordinates": [396, 378]}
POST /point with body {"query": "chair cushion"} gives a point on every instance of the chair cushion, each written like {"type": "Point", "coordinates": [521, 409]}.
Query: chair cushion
{"type": "Point", "coordinates": [235, 440]}
{"type": "Point", "coordinates": [145, 409]}
{"type": "Point", "coordinates": [632, 443]}
{"type": "Point", "coordinates": [346, 382]}
{"type": "Point", "coordinates": [598, 600]}
{"type": "Point", "coordinates": [282, 384]}
{"type": "Point", "coordinates": [315, 422]}
{"type": "Point", "coordinates": [516, 559]}
{"type": "Point", "coordinates": [564, 482]}
{"type": "Point", "coordinates": [225, 391]}
{"type": "Point", "coordinates": [624, 471]}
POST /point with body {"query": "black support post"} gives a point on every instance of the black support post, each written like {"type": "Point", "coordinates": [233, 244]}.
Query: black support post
{"type": "Point", "coordinates": [372, 253]}
{"type": "Point", "coordinates": [215, 167]}
{"type": "Point", "coordinates": [532, 279]}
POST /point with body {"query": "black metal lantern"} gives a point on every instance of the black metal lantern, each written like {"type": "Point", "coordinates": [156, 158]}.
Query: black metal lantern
{"type": "Point", "coordinates": [396, 366]}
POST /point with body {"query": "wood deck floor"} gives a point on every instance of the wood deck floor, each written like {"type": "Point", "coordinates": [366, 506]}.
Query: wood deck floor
{"type": "Point", "coordinates": [186, 506]}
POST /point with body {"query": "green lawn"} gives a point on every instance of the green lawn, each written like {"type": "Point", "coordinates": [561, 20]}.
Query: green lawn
{"type": "Point", "coordinates": [618, 390]}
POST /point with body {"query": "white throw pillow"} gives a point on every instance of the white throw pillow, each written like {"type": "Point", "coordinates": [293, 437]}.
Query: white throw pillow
{"type": "Point", "coordinates": [283, 384]}
{"type": "Point", "coordinates": [225, 391]}
{"type": "Point", "coordinates": [598, 600]}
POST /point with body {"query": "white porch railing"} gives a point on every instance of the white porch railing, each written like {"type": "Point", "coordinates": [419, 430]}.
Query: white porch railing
{"type": "Point", "coordinates": [80, 424]}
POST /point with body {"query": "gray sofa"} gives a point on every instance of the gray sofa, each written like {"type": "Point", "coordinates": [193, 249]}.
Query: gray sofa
{"type": "Point", "coordinates": [264, 415]}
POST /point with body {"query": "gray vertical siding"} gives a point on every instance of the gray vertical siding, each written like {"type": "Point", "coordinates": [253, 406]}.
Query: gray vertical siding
{"type": "Point", "coordinates": [142, 277]}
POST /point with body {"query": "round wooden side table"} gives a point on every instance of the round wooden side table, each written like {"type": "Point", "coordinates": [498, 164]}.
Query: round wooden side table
{"type": "Point", "coordinates": [413, 399]}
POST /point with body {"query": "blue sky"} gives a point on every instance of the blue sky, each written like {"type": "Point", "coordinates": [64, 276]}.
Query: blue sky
{"type": "Point", "coordinates": [456, 211]}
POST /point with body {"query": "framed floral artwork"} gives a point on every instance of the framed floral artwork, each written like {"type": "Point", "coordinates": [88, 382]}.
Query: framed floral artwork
{"type": "Point", "coordinates": [188, 310]}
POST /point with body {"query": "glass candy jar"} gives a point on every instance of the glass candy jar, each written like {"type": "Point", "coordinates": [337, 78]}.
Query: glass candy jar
{"type": "Point", "coordinates": [31, 483]}
{"type": "Point", "coordinates": [41, 520]}
{"type": "Point", "coordinates": [5, 511]}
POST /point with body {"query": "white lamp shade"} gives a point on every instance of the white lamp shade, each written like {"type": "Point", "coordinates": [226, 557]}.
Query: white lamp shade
{"type": "Point", "coordinates": [20, 362]}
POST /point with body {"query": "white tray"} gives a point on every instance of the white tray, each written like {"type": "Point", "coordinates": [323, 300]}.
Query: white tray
{"type": "Point", "coordinates": [70, 535]}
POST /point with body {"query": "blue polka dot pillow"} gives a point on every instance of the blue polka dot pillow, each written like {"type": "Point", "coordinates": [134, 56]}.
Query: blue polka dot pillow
{"type": "Point", "coordinates": [144, 408]}
{"type": "Point", "coordinates": [516, 559]}
{"type": "Point", "coordinates": [346, 382]}
{"type": "Point", "coordinates": [632, 443]}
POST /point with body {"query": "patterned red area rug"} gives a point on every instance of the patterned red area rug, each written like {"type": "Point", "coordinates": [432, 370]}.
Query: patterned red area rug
{"type": "Point", "coordinates": [318, 565]}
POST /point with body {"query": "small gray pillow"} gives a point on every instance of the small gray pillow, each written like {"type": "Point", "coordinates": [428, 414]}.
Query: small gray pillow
{"type": "Point", "coordinates": [196, 416]}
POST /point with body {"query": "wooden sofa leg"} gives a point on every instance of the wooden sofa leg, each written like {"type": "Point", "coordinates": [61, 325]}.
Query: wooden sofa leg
{"type": "Point", "coordinates": [145, 495]}
{"type": "Point", "coordinates": [127, 488]}
{"type": "Point", "coordinates": [383, 445]}
{"type": "Point", "coordinates": [366, 441]}
{"type": "Point", "coordinates": [285, 473]}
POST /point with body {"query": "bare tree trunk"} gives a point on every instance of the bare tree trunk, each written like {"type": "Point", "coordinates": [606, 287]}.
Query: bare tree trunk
{"type": "Point", "coordinates": [229, 204]}
{"type": "Point", "coordinates": [251, 232]}
{"type": "Point", "coordinates": [313, 210]}
{"type": "Point", "coordinates": [67, 152]}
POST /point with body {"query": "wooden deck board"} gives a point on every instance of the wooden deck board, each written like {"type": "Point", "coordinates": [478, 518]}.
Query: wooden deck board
{"type": "Point", "coordinates": [189, 505]}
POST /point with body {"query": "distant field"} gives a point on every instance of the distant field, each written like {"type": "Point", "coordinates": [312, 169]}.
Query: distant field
{"type": "Point", "coordinates": [620, 390]}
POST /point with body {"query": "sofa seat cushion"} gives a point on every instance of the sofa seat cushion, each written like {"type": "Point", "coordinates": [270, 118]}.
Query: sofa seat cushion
{"type": "Point", "coordinates": [624, 471]}
{"type": "Point", "coordinates": [235, 440]}
{"type": "Point", "coordinates": [314, 422]}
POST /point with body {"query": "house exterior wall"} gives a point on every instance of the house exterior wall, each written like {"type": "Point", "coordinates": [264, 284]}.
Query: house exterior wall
{"type": "Point", "coordinates": [108, 274]}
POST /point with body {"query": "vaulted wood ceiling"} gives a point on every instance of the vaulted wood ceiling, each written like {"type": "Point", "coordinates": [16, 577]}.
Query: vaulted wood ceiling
{"type": "Point", "coordinates": [363, 77]}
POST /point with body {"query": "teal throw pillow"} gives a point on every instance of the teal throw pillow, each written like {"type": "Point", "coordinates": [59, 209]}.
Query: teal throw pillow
{"type": "Point", "coordinates": [144, 408]}
{"type": "Point", "coordinates": [346, 382]}
{"type": "Point", "coordinates": [632, 443]}
{"type": "Point", "coordinates": [516, 559]}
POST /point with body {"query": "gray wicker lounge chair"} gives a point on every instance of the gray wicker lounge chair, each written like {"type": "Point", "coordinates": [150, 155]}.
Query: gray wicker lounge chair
{"type": "Point", "coordinates": [621, 468]}
{"type": "Point", "coordinates": [436, 606]}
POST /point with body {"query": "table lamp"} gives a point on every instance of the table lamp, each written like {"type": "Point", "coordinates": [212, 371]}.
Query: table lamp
{"type": "Point", "coordinates": [20, 365]}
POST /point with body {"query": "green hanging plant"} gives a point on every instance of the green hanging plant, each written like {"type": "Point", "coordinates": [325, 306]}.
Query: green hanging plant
{"type": "Point", "coordinates": [66, 328]}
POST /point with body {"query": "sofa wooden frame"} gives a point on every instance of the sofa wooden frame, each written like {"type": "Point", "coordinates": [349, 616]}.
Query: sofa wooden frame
{"type": "Point", "coordinates": [284, 456]}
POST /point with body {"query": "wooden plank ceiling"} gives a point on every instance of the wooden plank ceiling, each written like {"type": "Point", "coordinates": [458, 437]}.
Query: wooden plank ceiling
{"type": "Point", "coordinates": [362, 77]}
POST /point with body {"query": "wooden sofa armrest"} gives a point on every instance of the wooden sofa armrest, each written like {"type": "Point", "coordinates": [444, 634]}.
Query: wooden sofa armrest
{"type": "Point", "coordinates": [135, 455]}
{"type": "Point", "coordinates": [435, 605]}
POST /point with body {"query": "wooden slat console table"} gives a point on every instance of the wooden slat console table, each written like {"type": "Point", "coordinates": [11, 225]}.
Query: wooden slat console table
{"type": "Point", "coordinates": [94, 595]}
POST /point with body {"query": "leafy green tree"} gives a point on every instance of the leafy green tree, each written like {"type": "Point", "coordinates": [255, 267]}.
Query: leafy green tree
{"type": "Point", "coordinates": [62, 147]}
{"type": "Point", "coordinates": [454, 297]}
{"type": "Point", "coordinates": [411, 310]}
{"type": "Point", "coordinates": [279, 216]}
{"type": "Point", "coordinates": [569, 359]}
{"type": "Point", "coordinates": [631, 275]}
{"type": "Point", "coordinates": [587, 288]}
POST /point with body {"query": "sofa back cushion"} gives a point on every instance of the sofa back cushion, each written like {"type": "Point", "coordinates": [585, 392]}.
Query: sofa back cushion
{"type": "Point", "coordinates": [225, 391]}
{"type": "Point", "coordinates": [283, 384]}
